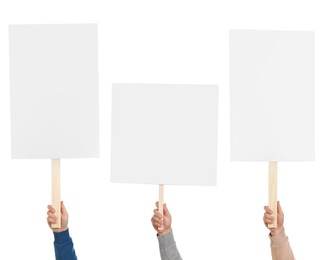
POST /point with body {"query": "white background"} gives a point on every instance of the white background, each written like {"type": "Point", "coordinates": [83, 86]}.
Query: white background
{"type": "Point", "coordinates": [164, 42]}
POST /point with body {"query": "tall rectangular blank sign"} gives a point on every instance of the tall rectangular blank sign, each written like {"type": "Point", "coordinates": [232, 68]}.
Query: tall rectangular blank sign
{"type": "Point", "coordinates": [272, 95]}
{"type": "Point", "coordinates": [54, 95]}
{"type": "Point", "coordinates": [54, 91]}
{"type": "Point", "coordinates": [164, 134]}
{"type": "Point", "coordinates": [272, 99]}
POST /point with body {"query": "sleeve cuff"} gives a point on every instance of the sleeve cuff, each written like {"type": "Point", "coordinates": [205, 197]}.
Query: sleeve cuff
{"type": "Point", "coordinates": [167, 240]}
{"type": "Point", "coordinates": [61, 237]}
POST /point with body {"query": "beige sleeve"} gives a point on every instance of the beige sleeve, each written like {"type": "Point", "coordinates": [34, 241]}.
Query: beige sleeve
{"type": "Point", "coordinates": [280, 247]}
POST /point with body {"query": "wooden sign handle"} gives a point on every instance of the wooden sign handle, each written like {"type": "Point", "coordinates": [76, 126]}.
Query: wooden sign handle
{"type": "Point", "coordinates": [273, 185]}
{"type": "Point", "coordinates": [161, 202]}
{"type": "Point", "coordinates": [56, 200]}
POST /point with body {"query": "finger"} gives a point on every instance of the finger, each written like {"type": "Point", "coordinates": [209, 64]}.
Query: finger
{"type": "Point", "coordinates": [268, 217]}
{"type": "Point", "coordinates": [268, 221]}
{"type": "Point", "coordinates": [268, 210]}
{"type": "Point", "coordinates": [158, 214]}
{"type": "Point", "coordinates": [51, 220]}
{"type": "Point", "coordinates": [157, 224]}
{"type": "Point", "coordinates": [50, 208]}
{"type": "Point", "coordinates": [50, 215]}
{"type": "Point", "coordinates": [157, 219]}
{"type": "Point", "coordinates": [157, 204]}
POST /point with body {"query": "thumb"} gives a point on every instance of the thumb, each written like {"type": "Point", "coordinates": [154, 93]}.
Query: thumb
{"type": "Point", "coordinates": [280, 212]}
{"type": "Point", "coordinates": [166, 211]}
{"type": "Point", "coordinates": [63, 209]}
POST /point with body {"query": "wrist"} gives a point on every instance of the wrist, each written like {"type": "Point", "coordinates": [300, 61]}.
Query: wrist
{"type": "Point", "coordinates": [59, 230]}
{"type": "Point", "coordinates": [164, 232]}
{"type": "Point", "coordinates": [276, 231]}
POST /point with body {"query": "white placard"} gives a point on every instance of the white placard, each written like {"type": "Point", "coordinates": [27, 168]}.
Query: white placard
{"type": "Point", "coordinates": [164, 134]}
{"type": "Point", "coordinates": [272, 95]}
{"type": "Point", "coordinates": [54, 91]}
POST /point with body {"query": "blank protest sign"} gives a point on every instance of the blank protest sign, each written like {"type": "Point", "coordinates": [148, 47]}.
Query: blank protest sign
{"type": "Point", "coordinates": [164, 134]}
{"type": "Point", "coordinates": [54, 90]}
{"type": "Point", "coordinates": [272, 95]}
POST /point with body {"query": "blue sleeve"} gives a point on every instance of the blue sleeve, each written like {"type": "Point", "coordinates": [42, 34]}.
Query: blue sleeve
{"type": "Point", "coordinates": [63, 246]}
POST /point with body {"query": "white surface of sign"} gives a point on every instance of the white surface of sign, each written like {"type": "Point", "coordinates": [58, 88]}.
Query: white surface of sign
{"type": "Point", "coordinates": [164, 134]}
{"type": "Point", "coordinates": [272, 95]}
{"type": "Point", "coordinates": [54, 91]}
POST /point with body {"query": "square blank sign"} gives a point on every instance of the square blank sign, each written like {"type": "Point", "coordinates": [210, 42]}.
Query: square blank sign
{"type": "Point", "coordinates": [54, 91]}
{"type": "Point", "coordinates": [164, 134]}
{"type": "Point", "coordinates": [272, 95]}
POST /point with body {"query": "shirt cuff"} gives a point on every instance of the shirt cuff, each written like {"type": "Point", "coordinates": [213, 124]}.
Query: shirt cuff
{"type": "Point", "coordinates": [61, 237]}
{"type": "Point", "coordinates": [167, 240]}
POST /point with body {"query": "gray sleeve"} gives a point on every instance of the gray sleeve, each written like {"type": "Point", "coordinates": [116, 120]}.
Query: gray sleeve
{"type": "Point", "coordinates": [167, 247]}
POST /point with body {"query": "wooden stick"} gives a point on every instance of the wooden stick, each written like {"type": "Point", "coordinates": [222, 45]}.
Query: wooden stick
{"type": "Point", "coordinates": [56, 200]}
{"type": "Point", "coordinates": [161, 202]}
{"type": "Point", "coordinates": [273, 185]}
